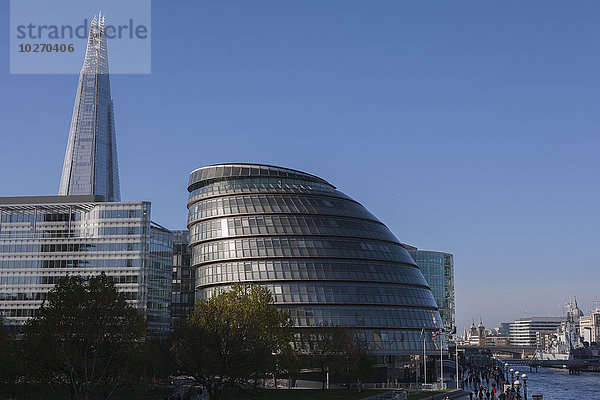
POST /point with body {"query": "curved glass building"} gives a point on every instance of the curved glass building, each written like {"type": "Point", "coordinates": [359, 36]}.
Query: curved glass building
{"type": "Point", "coordinates": [324, 256]}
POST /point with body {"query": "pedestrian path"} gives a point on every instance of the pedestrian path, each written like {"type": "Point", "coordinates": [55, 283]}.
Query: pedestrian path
{"type": "Point", "coordinates": [465, 397]}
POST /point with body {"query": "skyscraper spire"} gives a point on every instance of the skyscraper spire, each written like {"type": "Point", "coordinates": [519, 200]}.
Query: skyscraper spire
{"type": "Point", "coordinates": [91, 165]}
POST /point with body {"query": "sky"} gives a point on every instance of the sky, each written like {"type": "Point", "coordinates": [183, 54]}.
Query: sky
{"type": "Point", "coordinates": [469, 127]}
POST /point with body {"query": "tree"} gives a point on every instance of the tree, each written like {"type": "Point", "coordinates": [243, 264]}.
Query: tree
{"type": "Point", "coordinates": [325, 346]}
{"type": "Point", "coordinates": [289, 364]}
{"type": "Point", "coordinates": [8, 356]}
{"type": "Point", "coordinates": [85, 336]}
{"type": "Point", "coordinates": [232, 339]}
{"type": "Point", "coordinates": [358, 362]}
{"type": "Point", "coordinates": [337, 349]}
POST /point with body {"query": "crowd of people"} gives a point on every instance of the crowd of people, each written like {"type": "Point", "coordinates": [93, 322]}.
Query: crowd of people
{"type": "Point", "coordinates": [484, 382]}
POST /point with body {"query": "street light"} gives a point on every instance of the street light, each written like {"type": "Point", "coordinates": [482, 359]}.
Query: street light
{"type": "Point", "coordinates": [512, 384]}
{"type": "Point", "coordinates": [524, 379]}
{"type": "Point", "coordinates": [517, 374]}
{"type": "Point", "coordinates": [506, 369]}
{"type": "Point", "coordinates": [517, 384]}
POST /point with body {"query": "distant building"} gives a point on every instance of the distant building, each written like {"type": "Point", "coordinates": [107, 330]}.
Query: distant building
{"type": "Point", "coordinates": [43, 239]}
{"type": "Point", "coordinates": [589, 326]}
{"type": "Point", "coordinates": [438, 270]}
{"type": "Point", "coordinates": [476, 335]}
{"type": "Point", "coordinates": [497, 340]}
{"type": "Point", "coordinates": [504, 329]}
{"type": "Point", "coordinates": [183, 283]}
{"type": "Point", "coordinates": [526, 331]}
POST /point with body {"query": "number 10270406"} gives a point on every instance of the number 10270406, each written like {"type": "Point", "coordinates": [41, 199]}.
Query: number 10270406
{"type": "Point", "coordinates": [45, 48]}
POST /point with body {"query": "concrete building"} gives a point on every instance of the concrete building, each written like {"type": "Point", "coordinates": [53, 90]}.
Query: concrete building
{"type": "Point", "coordinates": [526, 331]}
{"type": "Point", "coordinates": [589, 326]}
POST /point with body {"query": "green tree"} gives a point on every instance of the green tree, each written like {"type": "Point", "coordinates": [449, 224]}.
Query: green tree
{"type": "Point", "coordinates": [85, 336]}
{"type": "Point", "coordinates": [358, 361]}
{"type": "Point", "coordinates": [9, 370]}
{"type": "Point", "coordinates": [325, 347]}
{"type": "Point", "coordinates": [232, 339]}
{"type": "Point", "coordinates": [338, 350]}
{"type": "Point", "coordinates": [289, 364]}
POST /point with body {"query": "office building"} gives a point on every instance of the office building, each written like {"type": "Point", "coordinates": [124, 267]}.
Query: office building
{"type": "Point", "coordinates": [43, 239]}
{"type": "Point", "coordinates": [325, 258]}
{"type": "Point", "coordinates": [438, 270]}
{"type": "Point", "coordinates": [527, 331]}
{"type": "Point", "coordinates": [85, 230]}
{"type": "Point", "coordinates": [183, 282]}
{"type": "Point", "coordinates": [589, 326]}
{"type": "Point", "coordinates": [90, 166]}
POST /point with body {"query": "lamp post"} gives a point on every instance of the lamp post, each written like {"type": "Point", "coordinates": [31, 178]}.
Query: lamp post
{"type": "Point", "coordinates": [506, 369]}
{"type": "Point", "coordinates": [517, 384]}
{"type": "Point", "coordinates": [517, 375]}
{"type": "Point", "coordinates": [524, 379]}
{"type": "Point", "coordinates": [512, 384]}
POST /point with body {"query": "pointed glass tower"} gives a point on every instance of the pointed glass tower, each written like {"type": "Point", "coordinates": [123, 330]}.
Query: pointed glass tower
{"type": "Point", "coordinates": [91, 166]}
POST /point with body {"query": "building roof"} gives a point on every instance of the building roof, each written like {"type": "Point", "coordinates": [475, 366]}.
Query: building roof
{"type": "Point", "coordinates": [32, 200]}
{"type": "Point", "coordinates": [211, 173]}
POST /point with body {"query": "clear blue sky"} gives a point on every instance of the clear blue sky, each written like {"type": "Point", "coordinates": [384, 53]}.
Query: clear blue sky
{"type": "Point", "coordinates": [470, 127]}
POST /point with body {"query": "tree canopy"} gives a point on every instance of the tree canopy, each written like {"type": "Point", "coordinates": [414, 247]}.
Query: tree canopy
{"type": "Point", "coordinates": [336, 349]}
{"type": "Point", "coordinates": [233, 338]}
{"type": "Point", "coordinates": [84, 336]}
{"type": "Point", "coordinates": [8, 356]}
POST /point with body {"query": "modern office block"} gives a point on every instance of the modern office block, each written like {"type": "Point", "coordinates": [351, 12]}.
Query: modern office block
{"type": "Point", "coordinates": [438, 270]}
{"type": "Point", "coordinates": [90, 166]}
{"type": "Point", "coordinates": [183, 282]}
{"type": "Point", "coordinates": [324, 257]}
{"type": "Point", "coordinates": [43, 239]}
{"type": "Point", "coordinates": [589, 326]}
{"type": "Point", "coordinates": [525, 331]}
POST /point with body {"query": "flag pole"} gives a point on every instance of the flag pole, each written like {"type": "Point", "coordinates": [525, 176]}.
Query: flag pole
{"type": "Point", "coordinates": [424, 356]}
{"type": "Point", "coordinates": [442, 360]}
{"type": "Point", "coordinates": [424, 361]}
{"type": "Point", "coordinates": [456, 360]}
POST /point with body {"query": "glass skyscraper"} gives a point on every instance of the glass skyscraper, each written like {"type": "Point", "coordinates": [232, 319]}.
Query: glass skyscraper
{"type": "Point", "coordinates": [183, 283]}
{"type": "Point", "coordinates": [86, 230]}
{"type": "Point", "coordinates": [324, 257]}
{"type": "Point", "coordinates": [90, 166]}
{"type": "Point", "coordinates": [438, 269]}
{"type": "Point", "coordinates": [43, 239]}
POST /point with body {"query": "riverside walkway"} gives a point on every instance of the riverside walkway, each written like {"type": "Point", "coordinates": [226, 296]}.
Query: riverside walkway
{"type": "Point", "coordinates": [401, 395]}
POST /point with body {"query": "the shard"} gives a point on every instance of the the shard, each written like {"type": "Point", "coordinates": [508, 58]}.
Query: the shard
{"type": "Point", "coordinates": [91, 166]}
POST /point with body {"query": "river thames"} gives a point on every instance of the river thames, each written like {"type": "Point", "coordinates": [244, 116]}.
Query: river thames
{"type": "Point", "coordinates": [557, 384]}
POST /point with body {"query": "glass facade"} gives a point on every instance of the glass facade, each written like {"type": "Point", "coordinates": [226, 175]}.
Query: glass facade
{"type": "Point", "coordinates": [90, 165]}
{"type": "Point", "coordinates": [45, 238]}
{"type": "Point", "coordinates": [324, 257]}
{"type": "Point", "coordinates": [183, 282]}
{"type": "Point", "coordinates": [438, 269]}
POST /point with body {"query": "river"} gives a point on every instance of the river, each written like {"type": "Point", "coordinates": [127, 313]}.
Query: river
{"type": "Point", "coordinates": [557, 384]}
